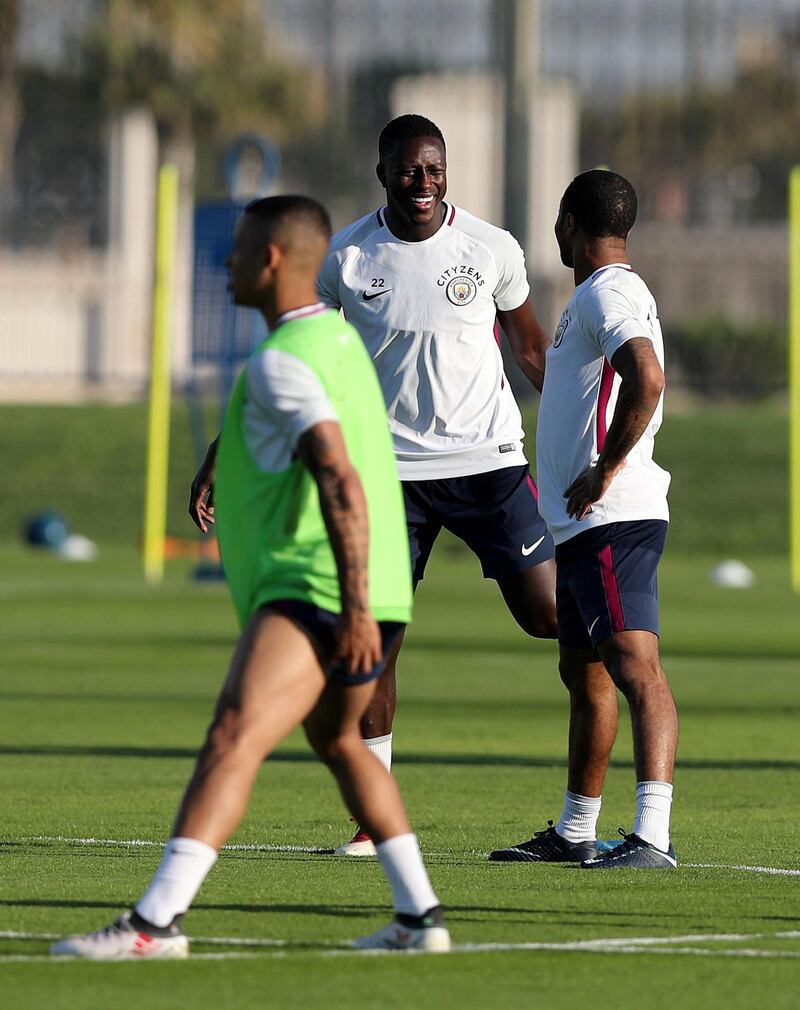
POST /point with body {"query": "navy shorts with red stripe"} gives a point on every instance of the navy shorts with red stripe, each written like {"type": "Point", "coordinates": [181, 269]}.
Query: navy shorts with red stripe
{"type": "Point", "coordinates": [607, 582]}
{"type": "Point", "coordinates": [496, 514]}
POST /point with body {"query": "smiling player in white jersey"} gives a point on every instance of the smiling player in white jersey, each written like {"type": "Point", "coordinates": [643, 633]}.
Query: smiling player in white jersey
{"type": "Point", "coordinates": [605, 502]}
{"type": "Point", "coordinates": [425, 283]}
{"type": "Point", "coordinates": [426, 310]}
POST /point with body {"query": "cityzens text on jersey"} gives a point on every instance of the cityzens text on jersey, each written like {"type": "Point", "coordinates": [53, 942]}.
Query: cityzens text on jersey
{"type": "Point", "coordinates": [460, 271]}
{"type": "Point", "coordinates": [460, 284]}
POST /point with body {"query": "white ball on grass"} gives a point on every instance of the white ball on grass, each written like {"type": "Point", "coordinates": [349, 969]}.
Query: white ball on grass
{"type": "Point", "coordinates": [732, 574]}
{"type": "Point", "coordinates": [77, 548]}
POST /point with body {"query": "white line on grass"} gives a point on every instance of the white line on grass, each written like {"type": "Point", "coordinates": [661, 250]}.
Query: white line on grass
{"type": "Point", "coordinates": [643, 944]}
{"type": "Point", "coordinates": [674, 945]}
{"type": "Point", "coordinates": [228, 955]}
{"type": "Point", "coordinates": [242, 955]}
{"type": "Point", "coordinates": [776, 871]}
{"type": "Point", "coordinates": [145, 843]}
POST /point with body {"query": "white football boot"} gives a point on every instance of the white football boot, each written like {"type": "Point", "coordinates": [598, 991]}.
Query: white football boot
{"type": "Point", "coordinates": [428, 933]}
{"type": "Point", "coordinates": [122, 941]}
{"type": "Point", "coordinates": [359, 845]}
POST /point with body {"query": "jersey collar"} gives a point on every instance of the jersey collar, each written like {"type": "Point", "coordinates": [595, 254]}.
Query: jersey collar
{"type": "Point", "coordinates": [301, 313]}
{"type": "Point", "coordinates": [449, 217]}
{"type": "Point", "coordinates": [611, 266]}
{"type": "Point", "coordinates": [599, 270]}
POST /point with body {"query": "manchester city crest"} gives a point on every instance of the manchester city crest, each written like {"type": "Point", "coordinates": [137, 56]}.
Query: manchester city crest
{"type": "Point", "coordinates": [562, 329]}
{"type": "Point", "coordinates": [461, 290]}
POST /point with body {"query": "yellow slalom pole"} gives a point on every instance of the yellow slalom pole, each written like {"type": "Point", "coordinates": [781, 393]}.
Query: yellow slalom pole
{"type": "Point", "coordinates": [155, 508]}
{"type": "Point", "coordinates": [794, 375]}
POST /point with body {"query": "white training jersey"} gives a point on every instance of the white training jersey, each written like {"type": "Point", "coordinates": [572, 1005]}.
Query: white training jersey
{"type": "Point", "coordinates": [578, 400]}
{"type": "Point", "coordinates": [426, 312]}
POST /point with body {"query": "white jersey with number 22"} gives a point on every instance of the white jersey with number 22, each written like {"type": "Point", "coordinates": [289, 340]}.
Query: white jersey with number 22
{"type": "Point", "coordinates": [426, 312]}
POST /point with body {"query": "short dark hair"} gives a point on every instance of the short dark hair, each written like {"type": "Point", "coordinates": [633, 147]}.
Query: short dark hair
{"type": "Point", "coordinates": [406, 128]}
{"type": "Point", "coordinates": [602, 203]}
{"type": "Point", "coordinates": [291, 209]}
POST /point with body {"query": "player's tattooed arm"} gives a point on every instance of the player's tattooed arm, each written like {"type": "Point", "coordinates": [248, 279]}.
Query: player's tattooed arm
{"type": "Point", "coordinates": [201, 493]}
{"type": "Point", "coordinates": [527, 339]}
{"type": "Point", "coordinates": [344, 509]}
{"type": "Point", "coordinates": [639, 392]}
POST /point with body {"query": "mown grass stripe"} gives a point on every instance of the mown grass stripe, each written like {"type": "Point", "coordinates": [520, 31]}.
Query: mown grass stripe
{"type": "Point", "coordinates": [778, 871]}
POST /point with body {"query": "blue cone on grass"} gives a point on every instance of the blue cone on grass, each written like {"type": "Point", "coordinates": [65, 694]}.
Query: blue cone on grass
{"type": "Point", "coordinates": [48, 529]}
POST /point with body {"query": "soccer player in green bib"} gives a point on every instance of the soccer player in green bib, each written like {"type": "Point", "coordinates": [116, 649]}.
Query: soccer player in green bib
{"type": "Point", "coordinates": [312, 532]}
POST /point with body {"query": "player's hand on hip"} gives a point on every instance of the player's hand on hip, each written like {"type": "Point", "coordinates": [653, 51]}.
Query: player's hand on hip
{"type": "Point", "coordinates": [201, 493]}
{"type": "Point", "coordinates": [358, 641]}
{"type": "Point", "coordinates": [589, 487]}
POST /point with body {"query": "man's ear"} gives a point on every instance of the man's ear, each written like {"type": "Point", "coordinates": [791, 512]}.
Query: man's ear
{"type": "Point", "coordinates": [273, 256]}
{"type": "Point", "coordinates": [380, 171]}
{"type": "Point", "coordinates": [569, 223]}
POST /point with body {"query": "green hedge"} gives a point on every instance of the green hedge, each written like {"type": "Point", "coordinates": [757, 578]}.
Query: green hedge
{"type": "Point", "coordinates": [717, 357]}
{"type": "Point", "coordinates": [728, 466]}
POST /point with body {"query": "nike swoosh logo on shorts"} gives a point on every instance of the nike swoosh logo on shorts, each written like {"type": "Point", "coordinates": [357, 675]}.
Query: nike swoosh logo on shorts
{"type": "Point", "coordinates": [591, 626]}
{"type": "Point", "coordinates": [376, 294]}
{"type": "Point", "coordinates": [529, 550]}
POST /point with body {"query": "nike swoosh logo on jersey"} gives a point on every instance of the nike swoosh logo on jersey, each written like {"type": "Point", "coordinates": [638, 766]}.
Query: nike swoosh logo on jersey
{"type": "Point", "coordinates": [529, 550]}
{"type": "Point", "coordinates": [376, 294]}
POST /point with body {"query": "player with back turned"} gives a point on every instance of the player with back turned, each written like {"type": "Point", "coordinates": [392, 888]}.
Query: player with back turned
{"type": "Point", "coordinates": [312, 534]}
{"type": "Point", "coordinates": [605, 502]}
{"type": "Point", "coordinates": [425, 282]}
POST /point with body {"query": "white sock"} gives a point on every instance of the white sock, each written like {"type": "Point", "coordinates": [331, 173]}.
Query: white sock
{"type": "Point", "coordinates": [578, 821]}
{"type": "Point", "coordinates": [402, 863]}
{"type": "Point", "coordinates": [381, 747]}
{"type": "Point", "coordinates": [653, 804]}
{"type": "Point", "coordinates": [183, 868]}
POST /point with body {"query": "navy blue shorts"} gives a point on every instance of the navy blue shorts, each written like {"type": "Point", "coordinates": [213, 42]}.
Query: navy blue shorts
{"type": "Point", "coordinates": [606, 582]}
{"type": "Point", "coordinates": [321, 627]}
{"type": "Point", "coordinates": [496, 514]}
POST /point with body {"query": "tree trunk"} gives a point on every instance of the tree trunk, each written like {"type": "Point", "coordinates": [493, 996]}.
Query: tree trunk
{"type": "Point", "coordinates": [9, 112]}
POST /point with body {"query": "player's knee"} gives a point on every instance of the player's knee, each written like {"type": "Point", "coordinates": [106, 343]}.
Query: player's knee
{"type": "Point", "coordinates": [541, 623]}
{"type": "Point", "coordinates": [224, 734]}
{"type": "Point", "coordinates": [567, 673]}
{"type": "Point", "coordinates": [336, 749]}
{"type": "Point", "coordinates": [635, 675]}
{"type": "Point", "coordinates": [582, 688]}
{"type": "Point", "coordinates": [545, 625]}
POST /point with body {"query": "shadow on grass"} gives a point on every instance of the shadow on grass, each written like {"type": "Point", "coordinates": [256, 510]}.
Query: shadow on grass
{"type": "Point", "coordinates": [517, 645]}
{"type": "Point", "coordinates": [525, 647]}
{"type": "Point", "coordinates": [353, 911]}
{"type": "Point", "coordinates": [459, 760]}
{"type": "Point", "coordinates": [635, 919]}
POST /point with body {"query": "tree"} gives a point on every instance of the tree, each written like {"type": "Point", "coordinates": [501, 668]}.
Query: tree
{"type": "Point", "coordinates": [9, 106]}
{"type": "Point", "coordinates": [204, 69]}
{"type": "Point", "coordinates": [738, 142]}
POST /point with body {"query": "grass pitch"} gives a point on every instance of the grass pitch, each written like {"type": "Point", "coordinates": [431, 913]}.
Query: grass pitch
{"type": "Point", "coordinates": [728, 494]}
{"type": "Point", "coordinates": [107, 687]}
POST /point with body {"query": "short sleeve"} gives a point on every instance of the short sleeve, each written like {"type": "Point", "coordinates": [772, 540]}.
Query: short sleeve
{"type": "Point", "coordinates": [611, 318]}
{"type": "Point", "coordinates": [288, 393]}
{"type": "Point", "coordinates": [512, 278]}
{"type": "Point", "coordinates": [328, 282]}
